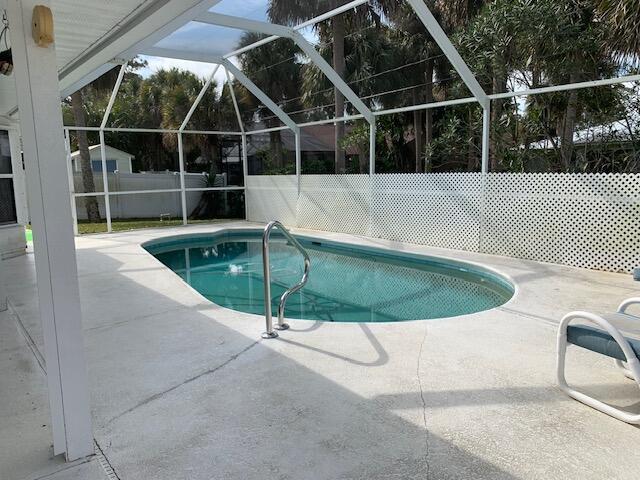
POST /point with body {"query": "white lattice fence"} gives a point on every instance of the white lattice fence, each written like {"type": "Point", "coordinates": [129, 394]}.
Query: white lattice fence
{"type": "Point", "coordinates": [442, 210]}
{"type": "Point", "coordinates": [272, 197]}
{"type": "Point", "coordinates": [336, 203]}
{"type": "Point", "coordinates": [583, 220]}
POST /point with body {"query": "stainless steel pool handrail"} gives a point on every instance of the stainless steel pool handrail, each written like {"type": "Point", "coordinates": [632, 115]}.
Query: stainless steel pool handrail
{"type": "Point", "coordinates": [266, 266]}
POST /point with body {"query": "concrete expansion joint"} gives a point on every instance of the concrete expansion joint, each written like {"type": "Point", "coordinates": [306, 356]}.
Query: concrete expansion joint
{"type": "Point", "coordinates": [159, 395]}
{"type": "Point", "coordinates": [424, 403]}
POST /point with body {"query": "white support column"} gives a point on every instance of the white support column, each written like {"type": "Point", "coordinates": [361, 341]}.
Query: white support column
{"type": "Point", "coordinates": [183, 191]}
{"type": "Point", "coordinates": [72, 188]}
{"type": "Point", "coordinates": [486, 135]}
{"type": "Point", "coordinates": [372, 148]}
{"type": "Point", "coordinates": [245, 173]}
{"type": "Point", "coordinates": [298, 161]}
{"type": "Point", "coordinates": [105, 181]}
{"type": "Point", "coordinates": [245, 156]}
{"type": "Point", "coordinates": [235, 100]}
{"type": "Point", "coordinates": [103, 149]}
{"type": "Point", "coordinates": [372, 172]}
{"type": "Point", "coordinates": [36, 76]}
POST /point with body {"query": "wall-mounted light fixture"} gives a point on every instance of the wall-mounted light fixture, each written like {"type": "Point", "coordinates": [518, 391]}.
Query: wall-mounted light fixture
{"type": "Point", "coordinates": [42, 26]}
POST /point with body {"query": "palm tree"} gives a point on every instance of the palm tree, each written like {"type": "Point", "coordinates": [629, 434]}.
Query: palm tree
{"type": "Point", "coordinates": [293, 12]}
{"type": "Point", "coordinates": [622, 18]}
{"type": "Point", "coordinates": [276, 71]}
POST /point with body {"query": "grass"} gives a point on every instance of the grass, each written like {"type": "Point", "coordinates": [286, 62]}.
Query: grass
{"type": "Point", "coordinates": [133, 224]}
{"type": "Point", "coordinates": [85, 227]}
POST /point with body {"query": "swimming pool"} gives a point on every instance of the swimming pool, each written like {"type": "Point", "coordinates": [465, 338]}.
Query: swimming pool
{"type": "Point", "coordinates": [347, 283]}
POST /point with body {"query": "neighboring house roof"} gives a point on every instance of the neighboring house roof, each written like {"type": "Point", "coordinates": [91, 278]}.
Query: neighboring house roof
{"type": "Point", "coordinates": [618, 131]}
{"type": "Point", "coordinates": [315, 138]}
{"type": "Point", "coordinates": [109, 148]}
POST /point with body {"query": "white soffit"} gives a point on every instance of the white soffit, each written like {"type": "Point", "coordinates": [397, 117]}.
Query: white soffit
{"type": "Point", "coordinates": [81, 24]}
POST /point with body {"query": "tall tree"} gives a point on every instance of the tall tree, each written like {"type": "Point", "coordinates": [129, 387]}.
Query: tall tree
{"type": "Point", "coordinates": [293, 12]}
{"type": "Point", "coordinates": [91, 203]}
{"type": "Point", "coordinates": [275, 69]}
{"type": "Point", "coordinates": [622, 20]}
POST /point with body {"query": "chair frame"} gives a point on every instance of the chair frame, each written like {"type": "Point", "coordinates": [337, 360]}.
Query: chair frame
{"type": "Point", "coordinates": [630, 368]}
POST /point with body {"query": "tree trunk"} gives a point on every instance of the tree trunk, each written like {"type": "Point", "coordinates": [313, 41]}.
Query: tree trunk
{"type": "Point", "coordinates": [275, 139]}
{"type": "Point", "coordinates": [91, 203]}
{"type": "Point", "coordinates": [339, 67]}
{"type": "Point", "coordinates": [568, 128]}
{"type": "Point", "coordinates": [363, 160]}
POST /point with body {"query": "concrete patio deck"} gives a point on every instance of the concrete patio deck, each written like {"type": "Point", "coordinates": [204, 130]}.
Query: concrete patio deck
{"type": "Point", "coordinates": [184, 389]}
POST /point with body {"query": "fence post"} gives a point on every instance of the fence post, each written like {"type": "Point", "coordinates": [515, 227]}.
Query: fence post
{"type": "Point", "coordinates": [183, 191]}
{"type": "Point", "coordinates": [372, 171]}
{"type": "Point", "coordinates": [486, 139]}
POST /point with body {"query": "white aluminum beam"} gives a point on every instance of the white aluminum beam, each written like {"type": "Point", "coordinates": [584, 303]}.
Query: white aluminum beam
{"type": "Point", "coordinates": [147, 27]}
{"type": "Point", "coordinates": [333, 77]}
{"type": "Point", "coordinates": [112, 99]}
{"type": "Point", "coordinates": [179, 54]}
{"type": "Point", "coordinates": [105, 180]}
{"type": "Point", "coordinates": [372, 148]}
{"type": "Point", "coordinates": [308, 23]}
{"type": "Point", "coordinates": [86, 80]}
{"type": "Point", "coordinates": [300, 41]}
{"type": "Point", "coordinates": [183, 191]}
{"type": "Point", "coordinates": [568, 86]}
{"type": "Point", "coordinates": [486, 136]}
{"type": "Point", "coordinates": [239, 23]}
{"type": "Point", "coordinates": [198, 99]}
{"type": "Point", "coordinates": [235, 101]}
{"type": "Point", "coordinates": [260, 95]}
{"type": "Point", "coordinates": [441, 38]}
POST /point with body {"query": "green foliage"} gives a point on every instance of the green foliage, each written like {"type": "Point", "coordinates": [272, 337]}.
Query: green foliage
{"type": "Point", "coordinates": [509, 44]}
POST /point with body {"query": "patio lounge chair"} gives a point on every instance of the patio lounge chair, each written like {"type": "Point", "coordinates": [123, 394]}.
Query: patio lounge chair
{"type": "Point", "coordinates": [606, 340]}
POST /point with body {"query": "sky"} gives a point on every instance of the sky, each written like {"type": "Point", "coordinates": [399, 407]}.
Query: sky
{"type": "Point", "coordinates": [209, 39]}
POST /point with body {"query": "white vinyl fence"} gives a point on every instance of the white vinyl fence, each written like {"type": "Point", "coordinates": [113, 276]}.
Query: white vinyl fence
{"type": "Point", "coordinates": [583, 220]}
{"type": "Point", "coordinates": [146, 205]}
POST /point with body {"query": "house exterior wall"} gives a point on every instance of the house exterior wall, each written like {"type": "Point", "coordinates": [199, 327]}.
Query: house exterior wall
{"type": "Point", "coordinates": [123, 159]}
{"type": "Point", "coordinates": [12, 236]}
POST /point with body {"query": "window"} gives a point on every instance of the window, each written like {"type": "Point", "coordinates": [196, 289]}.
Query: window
{"type": "Point", "coordinates": [8, 214]}
{"type": "Point", "coordinates": [96, 166]}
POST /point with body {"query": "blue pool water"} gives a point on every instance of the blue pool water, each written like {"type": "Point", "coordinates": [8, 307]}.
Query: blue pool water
{"type": "Point", "coordinates": [346, 284]}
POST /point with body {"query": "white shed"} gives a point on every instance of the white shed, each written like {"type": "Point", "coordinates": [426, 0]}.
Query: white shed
{"type": "Point", "coordinates": [116, 160]}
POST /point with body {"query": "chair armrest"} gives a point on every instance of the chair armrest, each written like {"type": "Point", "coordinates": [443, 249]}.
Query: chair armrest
{"type": "Point", "coordinates": [627, 303]}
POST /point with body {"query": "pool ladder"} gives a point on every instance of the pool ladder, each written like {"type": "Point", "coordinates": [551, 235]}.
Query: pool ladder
{"type": "Point", "coordinates": [270, 333]}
